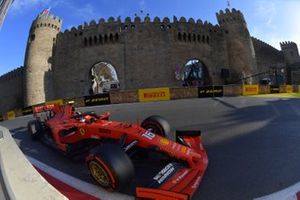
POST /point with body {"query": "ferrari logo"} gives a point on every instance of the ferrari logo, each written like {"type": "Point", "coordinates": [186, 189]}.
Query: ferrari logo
{"type": "Point", "coordinates": [82, 131]}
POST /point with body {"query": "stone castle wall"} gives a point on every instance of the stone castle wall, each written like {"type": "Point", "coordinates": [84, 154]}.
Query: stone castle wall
{"type": "Point", "coordinates": [145, 53]}
{"type": "Point", "coordinates": [11, 87]}
{"type": "Point", "coordinates": [267, 56]}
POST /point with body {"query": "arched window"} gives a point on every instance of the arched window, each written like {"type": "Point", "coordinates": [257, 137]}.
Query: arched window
{"type": "Point", "coordinates": [184, 37]}
{"type": "Point", "coordinates": [100, 39]}
{"type": "Point", "coordinates": [179, 36]}
{"type": "Point", "coordinates": [194, 37]}
{"type": "Point", "coordinates": [190, 37]}
{"type": "Point", "coordinates": [203, 39]}
{"type": "Point", "coordinates": [32, 37]}
{"type": "Point", "coordinates": [116, 37]}
{"type": "Point", "coordinates": [85, 41]}
{"type": "Point", "coordinates": [105, 38]}
{"type": "Point", "coordinates": [111, 38]}
{"type": "Point", "coordinates": [95, 40]}
{"type": "Point", "coordinates": [90, 41]}
{"type": "Point", "coordinates": [103, 78]}
{"type": "Point", "coordinates": [199, 38]}
{"type": "Point", "coordinates": [207, 39]}
{"type": "Point", "coordinates": [195, 73]}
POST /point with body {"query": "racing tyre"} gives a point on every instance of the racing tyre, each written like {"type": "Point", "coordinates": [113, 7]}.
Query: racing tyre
{"type": "Point", "coordinates": [110, 166]}
{"type": "Point", "coordinates": [34, 129]}
{"type": "Point", "coordinates": [158, 124]}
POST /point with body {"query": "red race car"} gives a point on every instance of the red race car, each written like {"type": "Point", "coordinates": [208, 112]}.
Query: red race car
{"type": "Point", "coordinates": [110, 148]}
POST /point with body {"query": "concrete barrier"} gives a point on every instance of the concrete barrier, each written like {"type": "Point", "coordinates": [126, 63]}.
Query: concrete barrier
{"type": "Point", "coordinates": [233, 90]}
{"type": "Point", "coordinates": [21, 180]}
{"type": "Point", "coordinates": [184, 93]}
{"type": "Point", "coordinates": [124, 97]}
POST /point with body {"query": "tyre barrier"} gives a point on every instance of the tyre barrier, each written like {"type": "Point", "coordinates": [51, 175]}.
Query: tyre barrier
{"type": "Point", "coordinates": [19, 175]}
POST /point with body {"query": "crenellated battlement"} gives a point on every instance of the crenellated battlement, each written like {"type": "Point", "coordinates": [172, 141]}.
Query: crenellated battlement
{"type": "Point", "coordinates": [49, 21]}
{"type": "Point", "coordinates": [230, 16]}
{"type": "Point", "coordinates": [18, 72]}
{"type": "Point", "coordinates": [288, 45]}
{"type": "Point", "coordinates": [261, 44]}
{"type": "Point", "coordinates": [129, 23]}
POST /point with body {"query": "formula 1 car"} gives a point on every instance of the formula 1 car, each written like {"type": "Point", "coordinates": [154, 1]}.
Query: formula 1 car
{"type": "Point", "coordinates": [110, 147]}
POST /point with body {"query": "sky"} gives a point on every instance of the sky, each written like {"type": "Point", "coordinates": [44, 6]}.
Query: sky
{"type": "Point", "coordinates": [272, 21]}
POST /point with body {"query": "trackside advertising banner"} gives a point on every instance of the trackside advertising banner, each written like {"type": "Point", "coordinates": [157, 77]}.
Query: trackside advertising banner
{"type": "Point", "coordinates": [154, 94]}
{"type": "Point", "coordinates": [1, 118]}
{"type": "Point", "coordinates": [11, 115]}
{"type": "Point", "coordinates": [98, 99]}
{"type": "Point", "coordinates": [57, 101]}
{"type": "Point", "coordinates": [274, 89]}
{"type": "Point", "coordinates": [27, 110]}
{"type": "Point", "coordinates": [289, 89]}
{"type": "Point", "coordinates": [210, 91]}
{"type": "Point", "coordinates": [250, 90]}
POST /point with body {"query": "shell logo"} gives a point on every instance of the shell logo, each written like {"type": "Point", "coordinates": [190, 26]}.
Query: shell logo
{"type": "Point", "coordinates": [164, 141]}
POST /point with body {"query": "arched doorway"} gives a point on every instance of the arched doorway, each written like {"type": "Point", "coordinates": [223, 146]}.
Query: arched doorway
{"type": "Point", "coordinates": [195, 73]}
{"type": "Point", "coordinates": [104, 78]}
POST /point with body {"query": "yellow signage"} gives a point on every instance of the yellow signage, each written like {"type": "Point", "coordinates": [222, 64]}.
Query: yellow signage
{"type": "Point", "coordinates": [250, 89]}
{"type": "Point", "coordinates": [289, 89]}
{"type": "Point", "coordinates": [57, 101]}
{"type": "Point", "coordinates": [11, 115]}
{"type": "Point", "coordinates": [154, 94]}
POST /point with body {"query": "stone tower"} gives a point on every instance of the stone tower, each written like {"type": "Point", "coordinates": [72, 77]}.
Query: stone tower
{"type": "Point", "coordinates": [290, 52]}
{"type": "Point", "coordinates": [38, 58]}
{"type": "Point", "coordinates": [241, 55]}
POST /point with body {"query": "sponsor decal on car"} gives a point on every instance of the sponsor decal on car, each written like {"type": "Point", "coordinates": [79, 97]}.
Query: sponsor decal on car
{"type": "Point", "coordinates": [107, 131]}
{"type": "Point", "coordinates": [164, 173]}
{"type": "Point", "coordinates": [82, 131]}
{"type": "Point", "coordinates": [196, 183]}
{"type": "Point", "coordinates": [180, 177]}
{"type": "Point", "coordinates": [164, 141]}
{"type": "Point", "coordinates": [149, 135]}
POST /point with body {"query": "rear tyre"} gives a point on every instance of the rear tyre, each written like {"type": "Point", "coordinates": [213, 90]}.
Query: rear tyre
{"type": "Point", "coordinates": [34, 129]}
{"type": "Point", "coordinates": [158, 125]}
{"type": "Point", "coordinates": [110, 167]}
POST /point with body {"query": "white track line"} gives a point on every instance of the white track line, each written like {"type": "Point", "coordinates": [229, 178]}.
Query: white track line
{"type": "Point", "coordinates": [79, 184]}
{"type": "Point", "coordinates": [285, 194]}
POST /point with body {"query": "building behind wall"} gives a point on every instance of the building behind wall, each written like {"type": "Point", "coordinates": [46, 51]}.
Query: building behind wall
{"type": "Point", "coordinates": [4, 6]}
{"type": "Point", "coordinates": [145, 53]}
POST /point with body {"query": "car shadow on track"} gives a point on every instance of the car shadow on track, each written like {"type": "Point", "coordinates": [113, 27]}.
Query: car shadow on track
{"type": "Point", "coordinates": [254, 151]}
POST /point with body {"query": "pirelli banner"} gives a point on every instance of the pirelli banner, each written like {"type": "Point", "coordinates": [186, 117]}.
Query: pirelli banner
{"type": "Point", "coordinates": [27, 110]}
{"type": "Point", "coordinates": [250, 90]}
{"type": "Point", "coordinates": [289, 89]}
{"type": "Point", "coordinates": [11, 115]}
{"type": "Point", "coordinates": [98, 99]}
{"type": "Point", "coordinates": [154, 94]}
{"type": "Point", "coordinates": [210, 91]}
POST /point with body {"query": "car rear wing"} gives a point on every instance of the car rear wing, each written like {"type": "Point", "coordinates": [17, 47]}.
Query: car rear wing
{"type": "Point", "coordinates": [39, 109]}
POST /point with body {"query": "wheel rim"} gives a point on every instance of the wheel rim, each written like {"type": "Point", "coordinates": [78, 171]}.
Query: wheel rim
{"type": "Point", "coordinates": [99, 174]}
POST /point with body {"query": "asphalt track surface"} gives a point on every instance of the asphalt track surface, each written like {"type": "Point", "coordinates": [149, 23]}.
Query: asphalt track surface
{"type": "Point", "coordinates": [253, 144]}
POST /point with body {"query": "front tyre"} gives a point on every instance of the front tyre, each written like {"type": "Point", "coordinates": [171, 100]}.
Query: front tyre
{"type": "Point", "coordinates": [110, 166]}
{"type": "Point", "coordinates": [158, 125]}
